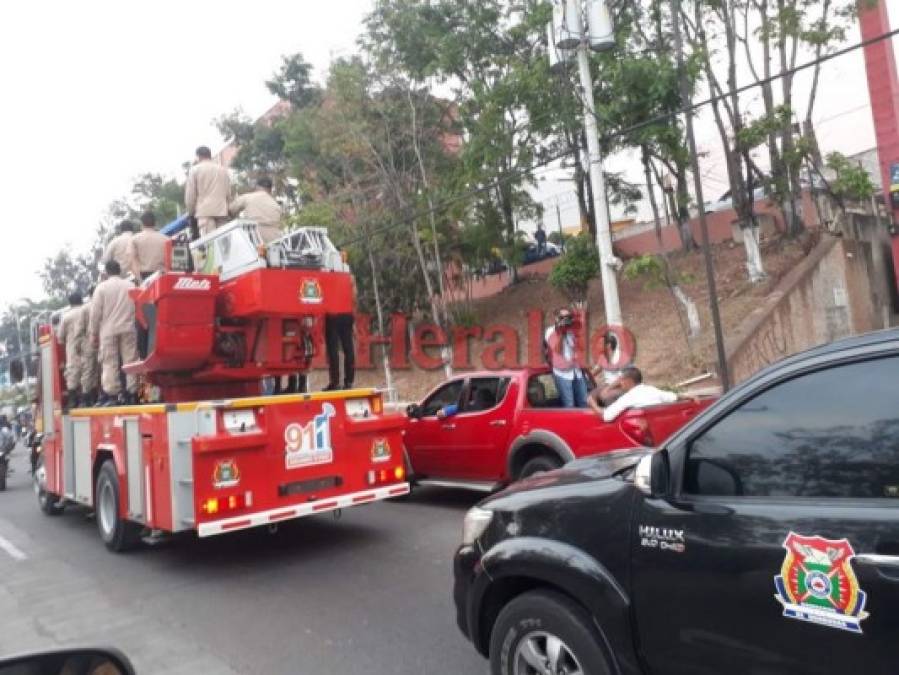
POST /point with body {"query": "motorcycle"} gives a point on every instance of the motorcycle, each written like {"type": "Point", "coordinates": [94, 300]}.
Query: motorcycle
{"type": "Point", "coordinates": [33, 441]}
{"type": "Point", "coordinates": [7, 444]}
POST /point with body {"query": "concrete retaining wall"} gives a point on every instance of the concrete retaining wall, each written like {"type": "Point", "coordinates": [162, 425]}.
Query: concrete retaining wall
{"type": "Point", "coordinates": [828, 296]}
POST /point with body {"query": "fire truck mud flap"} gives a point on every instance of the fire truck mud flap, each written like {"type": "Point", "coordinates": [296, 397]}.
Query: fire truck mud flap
{"type": "Point", "coordinates": [279, 515]}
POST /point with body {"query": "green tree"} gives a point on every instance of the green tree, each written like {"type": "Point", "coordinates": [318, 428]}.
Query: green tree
{"type": "Point", "coordinates": [576, 268]}
{"type": "Point", "coordinates": [162, 196]}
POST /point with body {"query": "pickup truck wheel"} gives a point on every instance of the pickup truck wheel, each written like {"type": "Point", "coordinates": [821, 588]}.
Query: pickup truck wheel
{"type": "Point", "coordinates": [117, 533]}
{"type": "Point", "coordinates": [537, 464]}
{"type": "Point", "coordinates": [545, 633]}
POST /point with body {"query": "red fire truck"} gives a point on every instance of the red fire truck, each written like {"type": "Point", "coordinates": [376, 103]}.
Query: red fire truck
{"type": "Point", "coordinates": [209, 451]}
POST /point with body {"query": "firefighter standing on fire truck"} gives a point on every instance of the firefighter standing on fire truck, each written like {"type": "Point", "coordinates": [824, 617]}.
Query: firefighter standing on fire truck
{"type": "Point", "coordinates": [120, 247]}
{"type": "Point", "coordinates": [90, 370]}
{"type": "Point", "coordinates": [147, 258]}
{"type": "Point", "coordinates": [207, 192]}
{"type": "Point", "coordinates": [71, 336]}
{"type": "Point", "coordinates": [112, 330]}
{"type": "Point", "coordinates": [260, 207]}
{"type": "Point", "coordinates": [147, 248]}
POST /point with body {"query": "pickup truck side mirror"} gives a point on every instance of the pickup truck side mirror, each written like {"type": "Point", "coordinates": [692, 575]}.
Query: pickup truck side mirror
{"type": "Point", "coordinates": [652, 473]}
{"type": "Point", "coordinates": [413, 411]}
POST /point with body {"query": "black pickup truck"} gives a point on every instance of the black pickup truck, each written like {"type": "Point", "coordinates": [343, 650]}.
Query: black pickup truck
{"type": "Point", "coordinates": [763, 537]}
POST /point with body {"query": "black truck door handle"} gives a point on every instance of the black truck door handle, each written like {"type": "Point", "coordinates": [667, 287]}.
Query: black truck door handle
{"type": "Point", "coordinates": [878, 560]}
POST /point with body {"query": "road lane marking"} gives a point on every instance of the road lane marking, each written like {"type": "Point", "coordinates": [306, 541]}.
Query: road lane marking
{"type": "Point", "coordinates": [14, 551]}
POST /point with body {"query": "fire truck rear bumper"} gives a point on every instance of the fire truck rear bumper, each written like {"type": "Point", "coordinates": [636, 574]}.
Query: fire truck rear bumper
{"type": "Point", "coordinates": [299, 510]}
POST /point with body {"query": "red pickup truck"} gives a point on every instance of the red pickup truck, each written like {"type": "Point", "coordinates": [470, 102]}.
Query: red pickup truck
{"type": "Point", "coordinates": [510, 424]}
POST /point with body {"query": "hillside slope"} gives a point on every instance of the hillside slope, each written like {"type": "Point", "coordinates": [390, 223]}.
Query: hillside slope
{"type": "Point", "coordinates": [663, 352]}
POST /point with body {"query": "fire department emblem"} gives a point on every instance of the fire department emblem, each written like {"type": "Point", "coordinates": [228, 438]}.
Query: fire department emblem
{"type": "Point", "coordinates": [310, 444]}
{"type": "Point", "coordinates": [310, 291]}
{"type": "Point", "coordinates": [380, 450]}
{"type": "Point", "coordinates": [816, 583]}
{"type": "Point", "coordinates": [226, 474]}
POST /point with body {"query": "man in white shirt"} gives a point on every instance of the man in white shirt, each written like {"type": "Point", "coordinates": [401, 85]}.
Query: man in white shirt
{"type": "Point", "coordinates": [636, 395]}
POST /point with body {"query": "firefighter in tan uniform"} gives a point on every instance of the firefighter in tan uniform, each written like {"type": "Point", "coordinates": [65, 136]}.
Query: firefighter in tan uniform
{"type": "Point", "coordinates": [147, 248]}
{"type": "Point", "coordinates": [112, 329]}
{"type": "Point", "coordinates": [71, 336]}
{"type": "Point", "coordinates": [208, 192]}
{"type": "Point", "coordinates": [260, 207]}
{"type": "Point", "coordinates": [90, 369]}
{"type": "Point", "coordinates": [119, 248]}
{"type": "Point", "coordinates": [147, 258]}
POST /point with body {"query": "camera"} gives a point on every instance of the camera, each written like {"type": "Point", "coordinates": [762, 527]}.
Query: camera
{"type": "Point", "coordinates": [565, 321]}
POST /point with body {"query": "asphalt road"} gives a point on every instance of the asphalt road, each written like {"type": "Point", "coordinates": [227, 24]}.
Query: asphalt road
{"type": "Point", "coordinates": [369, 593]}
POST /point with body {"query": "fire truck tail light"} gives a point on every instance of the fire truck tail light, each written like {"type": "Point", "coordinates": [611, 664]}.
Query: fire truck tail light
{"type": "Point", "coordinates": [377, 406]}
{"type": "Point", "coordinates": [215, 505]}
{"type": "Point", "coordinates": [383, 476]}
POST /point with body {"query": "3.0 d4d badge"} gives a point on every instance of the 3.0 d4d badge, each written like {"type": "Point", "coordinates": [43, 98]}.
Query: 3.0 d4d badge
{"type": "Point", "coordinates": [816, 583]}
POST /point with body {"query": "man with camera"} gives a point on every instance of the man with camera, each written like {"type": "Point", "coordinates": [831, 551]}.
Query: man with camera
{"type": "Point", "coordinates": [562, 354]}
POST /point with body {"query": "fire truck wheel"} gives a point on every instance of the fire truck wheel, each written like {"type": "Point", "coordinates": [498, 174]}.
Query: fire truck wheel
{"type": "Point", "coordinates": [117, 533]}
{"type": "Point", "coordinates": [49, 503]}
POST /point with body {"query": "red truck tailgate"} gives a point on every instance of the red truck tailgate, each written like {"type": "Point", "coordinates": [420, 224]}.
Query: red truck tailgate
{"type": "Point", "coordinates": [660, 421]}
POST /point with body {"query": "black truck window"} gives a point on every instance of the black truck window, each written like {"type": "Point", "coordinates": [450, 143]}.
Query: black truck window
{"type": "Point", "coordinates": [830, 433]}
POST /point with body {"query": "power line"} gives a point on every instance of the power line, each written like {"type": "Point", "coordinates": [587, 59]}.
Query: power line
{"type": "Point", "coordinates": [521, 173]}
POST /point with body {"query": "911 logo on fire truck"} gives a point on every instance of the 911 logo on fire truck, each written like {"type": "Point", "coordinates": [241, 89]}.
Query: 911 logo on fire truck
{"type": "Point", "coordinates": [309, 444]}
{"type": "Point", "coordinates": [192, 284]}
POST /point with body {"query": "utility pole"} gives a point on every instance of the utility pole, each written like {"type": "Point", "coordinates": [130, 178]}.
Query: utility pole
{"type": "Point", "coordinates": [687, 103]}
{"type": "Point", "coordinates": [559, 223]}
{"type": "Point", "coordinates": [25, 359]}
{"type": "Point", "coordinates": [580, 38]}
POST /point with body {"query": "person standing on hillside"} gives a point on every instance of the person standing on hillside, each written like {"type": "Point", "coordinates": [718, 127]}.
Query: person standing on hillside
{"type": "Point", "coordinates": [260, 207]}
{"type": "Point", "coordinates": [207, 192]}
{"type": "Point", "coordinates": [562, 352]}
{"type": "Point", "coordinates": [540, 238]}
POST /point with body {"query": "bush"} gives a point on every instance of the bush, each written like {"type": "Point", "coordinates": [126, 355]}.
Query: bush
{"type": "Point", "coordinates": [852, 181]}
{"type": "Point", "coordinates": [652, 268]}
{"type": "Point", "coordinates": [576, 267]}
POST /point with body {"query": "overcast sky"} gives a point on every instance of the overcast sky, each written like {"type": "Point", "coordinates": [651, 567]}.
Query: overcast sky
{"type": "Point", "coordinates": [96, 92]}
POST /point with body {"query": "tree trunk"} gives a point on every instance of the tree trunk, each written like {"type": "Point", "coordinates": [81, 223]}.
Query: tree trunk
{"type": "Point", "coordinates": [392, 394]}
{"type": "Point", "coordinates": [676, 293]}
{"type": "Point", "coordinates": [416, 145]}
{"type": "Point", "coordinates": [680, 207]}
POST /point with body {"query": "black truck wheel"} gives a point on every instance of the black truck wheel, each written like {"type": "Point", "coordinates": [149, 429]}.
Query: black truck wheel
{"type": "Point", "coordinates": [117, 533]}
{"type": "Point", "coordinates": [545, 632]}
{"type": "Point", "coordinates": [49, 502]}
